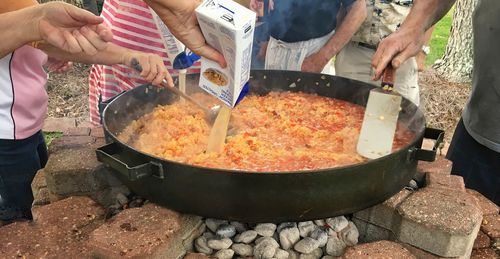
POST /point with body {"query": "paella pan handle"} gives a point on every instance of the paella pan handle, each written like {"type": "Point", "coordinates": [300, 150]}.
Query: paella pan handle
{"type": "Point", "coordinates": [110, 155]}
{"type": "Point", "coordinates": [429, 155]}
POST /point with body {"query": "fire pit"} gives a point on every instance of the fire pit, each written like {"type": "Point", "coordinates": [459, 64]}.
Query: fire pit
{"type": "Point", "coordinates": [263, 196]}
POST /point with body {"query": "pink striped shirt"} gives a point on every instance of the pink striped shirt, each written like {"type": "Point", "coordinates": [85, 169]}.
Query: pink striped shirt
{"type": "Point", "coordinates": [23, 99]}
{"type": "Point", "coordinates": [133, 27]}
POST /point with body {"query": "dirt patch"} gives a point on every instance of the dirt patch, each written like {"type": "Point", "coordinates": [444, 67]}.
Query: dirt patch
{"type": "Point", "coordinates": [69, 93]}
{"type": "Point", "coordinates": [441, 101]}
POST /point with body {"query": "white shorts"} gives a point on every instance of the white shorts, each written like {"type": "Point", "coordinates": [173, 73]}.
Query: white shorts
{"type": "Point", "coordinates": [282, 55]}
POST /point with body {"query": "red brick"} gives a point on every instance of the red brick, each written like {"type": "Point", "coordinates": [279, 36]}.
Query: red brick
{"type": "Point", "coordinates": [486, 253]}
{"type": "Point", "coordinates": [451, 182]}
{"type": "Point", "coordinates": [84, 124]}
{"type": "Point", "coordinates": [419, 253]}
{"type": "Point", "coordinates": [147, 232]}
{"type": "Point", "coordinates": [491, 226]}
{"type": "Point", "coordinates": [482, 241]}
{"type": "Point", "coordinates": [487, 206]}
{"type": "Point", "coordinates": [196, 256]}
{"type": "Point", "coordinates": [378, 250]}
{"type": "Point", "coordinates": [38, 182]}
{"type": "Point", "coordinates": [70, 142]}
{"type": "Point", "coordinates": [52, 124]}
{"type": "Point", "coordinates": [77, 131]}
{"type": "Point", "coordinates": [441, 165]}
{"type": "Point", "coordinates": [97, 132]}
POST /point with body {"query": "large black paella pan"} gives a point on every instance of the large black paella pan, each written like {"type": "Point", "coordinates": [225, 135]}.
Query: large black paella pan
{"type": "Point", "coordinates": [263, 197]}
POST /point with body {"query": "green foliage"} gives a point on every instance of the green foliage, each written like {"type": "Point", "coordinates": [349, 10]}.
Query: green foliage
{"type": "Point", "coordinates": [49, 136]}
{"type": "Point", "coordinates": [439, 38]}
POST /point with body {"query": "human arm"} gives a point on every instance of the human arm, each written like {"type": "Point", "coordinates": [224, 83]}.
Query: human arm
{"type": "Point", "coordinates": [153, 68]}
{"type": "Point", "coordinates": [51, 22]}
{"type": "Point", "coordinates": [421, 56]}
{"type": "Point", "coordinates": [408, 40]}
{"type": "Point", "coordinates": [180, 18]}
{"type": "Point", "coordinates": [355, 15]}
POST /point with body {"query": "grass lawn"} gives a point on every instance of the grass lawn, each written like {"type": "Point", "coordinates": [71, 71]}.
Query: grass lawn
{"type": "Point", "coordinates": [49, 136]}
{"type": "Point", "coordinates": [439, 38]}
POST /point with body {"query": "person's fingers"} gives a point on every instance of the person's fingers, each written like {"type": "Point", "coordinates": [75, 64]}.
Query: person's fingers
{"type": "Point", "coordinates": [104, 32]}
{"type": "Point", "coordinates": [153, 71]}
{"type": "Point", "coordinates": [71, 44]}
{"type": "Point", "coordinates": [144, 63]}
{"type": "Point", "coordinates": [86, 46]}
{"type": "Point", "coordinates": [162, 74]}
{"type": "Point", "coordinates": [93, 38]}
{"type": "Point", "coordinates": [212, 54]}
{"type": "Point", "coordinates": [381, 58]}
{"type": "Point", "coordinates": [400, 58]}
{"type": "Point", "coordinates": [82, 16]}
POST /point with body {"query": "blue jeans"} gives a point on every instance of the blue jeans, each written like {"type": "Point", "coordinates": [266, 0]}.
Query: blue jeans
{"type": "Point", "coordinates": [477, 164]}
{"type": "Point", "coordinates": [19, 162]}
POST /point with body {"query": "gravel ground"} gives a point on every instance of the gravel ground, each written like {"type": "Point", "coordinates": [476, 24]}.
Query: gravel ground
{"type": "Point", "coordinates": [442, 101]}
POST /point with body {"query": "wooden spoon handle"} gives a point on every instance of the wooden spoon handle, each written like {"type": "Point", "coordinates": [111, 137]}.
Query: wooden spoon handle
{"type": "Point", "coordinates": [217, 137]}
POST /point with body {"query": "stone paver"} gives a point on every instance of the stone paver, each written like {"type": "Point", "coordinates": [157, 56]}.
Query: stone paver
{"type": "Point", "coordinates": [38, 182]}
{"type": "Point", "coordinates": [59, 230]}
{"type": "Point", "coordinates": [370, 233]}
{"type": "Point", "coordinates": [440, 221]}
{"type": "Point", "coordinates": [385, 214]}
{"type": "Point", "coordinates": [78, 131]}
{"type": "Point", "coordinates": [378, 250]}
{"type": "Point", "coordinates": [71, 142]}
{"type": "Point", "coordinates": [482, 241]}
{"type": "Point", "coordinates": [147, 232]}
{"type": "Point", "coordinates": [97, 132]}
{"type": "Point", "coordinates": [487, 206]}
{"type": "Point", "coordinates": [440, 166]}
{"type": "Point", "coordinates": [52, 124]}
{"type": "Point", "coordinates": [491, 226]}
{"type": "Point", "coordinates": [486, 253]}
{"type": "Point", "coordinates": [196, 256]}
{"type": "Point", "coordinates": [451, 182]}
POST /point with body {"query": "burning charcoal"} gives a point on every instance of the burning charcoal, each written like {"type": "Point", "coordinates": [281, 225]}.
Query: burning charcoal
{"type": "Point", "coordinates": [246, 237]}
{"type": "Point", "coordinates": [240, 227]}
{"type": "Point", "coordinates": [350, 234]}
{"type": "Point", "coordinates": [337, 223]}
{"type": "Point", "coordinates": [242, 249]}
{"type": "Point", "coordinates": [219, 244]}
{"type": "Point", "coordinates": [320, 222]}
{"type": "Point", "coordinates": [266, 248]}
{"type": "Point", "coordinates": [281, 254]}
{"type": "Point", "coordinates": [121, 199]}
{"type": "Point", "coordinates": [306, 245]}
{"type": "Point", "coordinates": [320, 235]}
{"type": "Point", "coordinates": [305, 228]}
{"type": "Point", "coordinates": [288, 237]}
{"type": "Point", "coordinates": [265, 229]}
{"type": "Point", "coordinates": [335, 246]}
{"type": "Point", "coordinates": [201, 245]}
{"type": "Point", "coordinates": [213, 224]}
{"type": "Point", "coordinates": [286, 225]}
{"type": "Point", "coordinates": [226, 230]}
{"type": "Point", "coordinates": [224, 254]}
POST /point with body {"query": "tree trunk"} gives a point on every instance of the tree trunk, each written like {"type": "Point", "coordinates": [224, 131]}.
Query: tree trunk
{"type": "Point", "coordinates": [456, 64]}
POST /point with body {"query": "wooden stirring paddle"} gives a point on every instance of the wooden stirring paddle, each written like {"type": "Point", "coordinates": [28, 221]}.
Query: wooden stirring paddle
{"type": "Point", "coordinates": [217, 137]}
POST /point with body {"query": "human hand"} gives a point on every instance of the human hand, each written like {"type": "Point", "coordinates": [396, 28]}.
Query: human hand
{"type": "Point", "coordinates": [180, 18]}
{"type": "Point", "coordinates": [58, 66]}
{"type": "Point", "coordinates": [397, 48]}
{"type": "Point", "coordinates": [150, 66]}
{"type": "Point", "coordinates": [70, 28]}
{"type": "Point", "coordinates": [315, 63]}
{"type": "Point", "coordinates": [421, 57]}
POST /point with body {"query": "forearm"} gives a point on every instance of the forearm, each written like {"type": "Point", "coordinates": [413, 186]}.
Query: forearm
{"type": "Point", "coordinates": [353, 19]}
{"type": "Point", "coordinates": [22, 34]}
{"type": "Point", "coordinates": [425, 13]}
{"type": "Point", "coordinates": [113, 54]}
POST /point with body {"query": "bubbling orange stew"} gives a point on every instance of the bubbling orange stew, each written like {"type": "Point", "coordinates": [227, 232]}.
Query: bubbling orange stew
{"type": "Point", "coordinates": [281, 131]}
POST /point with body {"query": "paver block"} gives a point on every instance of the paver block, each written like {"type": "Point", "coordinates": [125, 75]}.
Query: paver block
{"type": "Point", "coordinates": [371, 233]}
{"type": "Point", "coordinates": [41, 197]}
{"type": "Point", "coordinates": [451, 182]}
{"type": "Point", "coordinates": [491, 226]}
{"type": "Point", "coordinates": [440, 221]}
{"type": "Point", "coordinates": [52, 124]}
{"type": "Point", "coordinates": [97, 132]}
{"type": "Point", "coordinates": [77, 131]}
{"type": "Point", "coordinates": [487, 206]}
{"type": "Point", "coordinates": [70, 142]}
{"type": "Point", "coordinates": [440, 166]}
{"type": "Point", "coordinates": [384, 214]}
{"type": "Point", "coordinates": [196, 256]}
{"type": "Point", "coordinates": [38, 182]}
{"type": "Point", "coordinates": [482, 241]}
{"type": "Point", "coordinates": [485, 253]}
{"type": "Point", "coordinates": [378, 250]}
{"type": "Point", "coordinates": [147, 232]}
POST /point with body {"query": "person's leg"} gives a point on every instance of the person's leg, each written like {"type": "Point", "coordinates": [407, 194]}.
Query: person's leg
{"type": "Point", "coordinates": [354, 62]}
{"type": "Point", "coordinates": [477, 164]}
{"type": "Point", "coordinates": [19, 162]}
